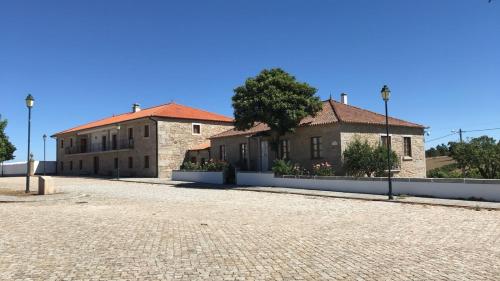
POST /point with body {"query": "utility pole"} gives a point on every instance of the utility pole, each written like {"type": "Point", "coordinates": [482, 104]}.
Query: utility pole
{"type": "Point", "coordinates": [460, 133]}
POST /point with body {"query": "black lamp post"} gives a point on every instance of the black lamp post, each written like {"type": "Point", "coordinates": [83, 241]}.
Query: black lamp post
{"type": "Point", "coordinates": [44, 160]}
{"type": "Point", "coordinates": [118, 127]}
{"type": "Point", "coordinates": [386, 94]}
{"type": "Point", "coordinates": [30, 101]}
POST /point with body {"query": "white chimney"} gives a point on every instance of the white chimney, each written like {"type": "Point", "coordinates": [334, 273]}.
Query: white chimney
{"type": "Point", "coordinates": [343, 98]}
{"type": "Point", "coordinates": [136, 107]}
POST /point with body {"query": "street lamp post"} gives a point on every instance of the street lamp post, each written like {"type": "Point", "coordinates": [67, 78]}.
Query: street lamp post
{"type": "Point", "coordinates": [44, 160]}
{"type": "Point", "coordinates": [386, 94]}
{"type": "Point", "coordinates": [118, 127]}
{"type": "Point", "coordinates": [30, 101]}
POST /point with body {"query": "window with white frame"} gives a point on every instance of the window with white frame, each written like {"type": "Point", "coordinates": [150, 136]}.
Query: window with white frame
{"type": "Point", "coordinates": [196, 129]}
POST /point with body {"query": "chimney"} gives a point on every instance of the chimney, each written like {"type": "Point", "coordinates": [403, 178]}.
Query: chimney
{"type": "Point", "coordinates": [343, 98]}
{"type": "Point", "coordinates": [136, 107]}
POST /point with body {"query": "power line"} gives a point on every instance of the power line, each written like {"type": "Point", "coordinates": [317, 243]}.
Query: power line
{"type": "Point", "coordinates": [481, 130]}
{"type": "Point", "coordinates": [431, 140]}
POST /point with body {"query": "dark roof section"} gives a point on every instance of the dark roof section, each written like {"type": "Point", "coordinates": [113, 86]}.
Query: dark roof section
{"type": "Point", "coordinates": [332, 112]}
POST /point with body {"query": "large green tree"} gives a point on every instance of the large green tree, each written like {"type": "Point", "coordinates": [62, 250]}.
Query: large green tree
{"type": "Point", "coordinates": [276, 98]}
{"type": "Point", "coordinates": [481, 154]}
{"type": "Point", "coordinates": [7, 149]}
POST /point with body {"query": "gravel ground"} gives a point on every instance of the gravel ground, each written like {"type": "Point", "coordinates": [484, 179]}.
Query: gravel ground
{"type": "Point", "coordinates": [132, 231]}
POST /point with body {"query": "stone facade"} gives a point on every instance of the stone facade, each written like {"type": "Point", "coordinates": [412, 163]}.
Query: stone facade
{"type": "Point", "coordinates": [177, 137]}
{"type": "Point", "coordinates": [83, 153]}
{"type": "Point", "coordinates": [334, 140]}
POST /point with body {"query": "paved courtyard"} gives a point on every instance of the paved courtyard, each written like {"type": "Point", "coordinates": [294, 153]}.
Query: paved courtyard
{"type": "Point", "coordinates": [134, 231]}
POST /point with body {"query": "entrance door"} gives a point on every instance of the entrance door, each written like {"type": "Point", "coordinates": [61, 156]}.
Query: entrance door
{"type": "Point", "coordinates": [96, 165]}
{"type": "Point", "coordinates": [264, 156]}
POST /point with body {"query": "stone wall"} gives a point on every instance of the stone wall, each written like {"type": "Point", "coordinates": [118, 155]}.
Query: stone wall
{"type": "Point", "coordinates": [176, 137]}
{"type": "Point", "coordinates": [411, 166]}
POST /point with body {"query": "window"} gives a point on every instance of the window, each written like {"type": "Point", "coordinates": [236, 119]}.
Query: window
{"type": "Point", "coordinates": [130, 162]}
{"type": "Point", "coordinates": [193, 160]}
{"type": "Point", "coordinates": [80, 164]}
{"type": "Point", "coordinates": [130, 133]}
{"type": "Point", "coordinates": [71, 142]}
{"type": "Point", "coordinates": [116, 163]}
{"type": "Point", "coordinates": [62, 166]}
{"type": "Point", "coordinates": [62, 143]}
{"type": "Point", "coordinates": [146, 131]}
{"type": "Point", "coordinates": [316, 147]}
{"type": "Point", "coordinates": [243, 152]}
{"type": "Point", "coordinates": [222, 152]}
{"type": "Point", "coordinates": [114, 142]}
{"type": "Point", "coordinates": [383, 140]}
{"type": "Point", "coordinates": [71, 165]}
{"type": "Point", "coordinates": [104, 143]}
{"type": "Point", "coordinates": [83, 145]}
{"type": "Point", "coordinates": [196, 129]}
{"type": "Point", "coordinates": [407, 146]}
{"type": "Point", "coordinates": [285, 149]}
{"type": "Point", "coordinates": [146, 162]}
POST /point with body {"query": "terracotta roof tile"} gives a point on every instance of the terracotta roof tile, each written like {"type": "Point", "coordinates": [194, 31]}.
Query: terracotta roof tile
{"type": "Point", "coordinates": [201, 146]}
{"type": "Point", "coordinates": [169, 110]}
{"type": "Point", "coordinates": [332, 112]}
{"type": "Point", "coordinates": [351, 114]}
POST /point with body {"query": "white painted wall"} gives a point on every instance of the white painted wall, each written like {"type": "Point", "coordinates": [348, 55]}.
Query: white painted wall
{"type": "Point", "coordinates": [198, 176]}
{"type": "Point", "coordinates": [441, 188]}
{"type": "Point", "coordinates": [19, 168]}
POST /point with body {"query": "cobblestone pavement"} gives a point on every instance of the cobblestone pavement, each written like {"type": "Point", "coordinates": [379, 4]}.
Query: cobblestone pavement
{"type": "Point", "coordinates": [132, 231]}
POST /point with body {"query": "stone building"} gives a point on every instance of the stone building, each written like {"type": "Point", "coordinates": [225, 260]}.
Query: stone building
{"type": "Point", "coordinates": [142, 143]}
{"type": "Point", "coordinates": [324, 138]}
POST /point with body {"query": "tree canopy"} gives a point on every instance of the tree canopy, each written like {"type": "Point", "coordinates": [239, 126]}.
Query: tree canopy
{"type": "Point", "coordinates": [481, 154]}
{"type": "Point", "coordinates": [7, 149]}
{"type": "Point", "coordinates": [275, 98]}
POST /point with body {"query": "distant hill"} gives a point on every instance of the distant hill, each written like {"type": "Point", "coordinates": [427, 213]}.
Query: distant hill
{"type": "Point", "coordinates": [438, 162]}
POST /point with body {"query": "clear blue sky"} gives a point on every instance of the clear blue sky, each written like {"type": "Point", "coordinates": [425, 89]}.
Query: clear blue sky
{"type": "Point", "coordinates": [85, 60]}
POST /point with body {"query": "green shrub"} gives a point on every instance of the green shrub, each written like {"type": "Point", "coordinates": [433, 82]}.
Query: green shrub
{"type": "Point", "coordinates": [380, 160]}
{"type": "Point", "coordinates": [215, 166]}
{"type": "Point", "coordinates": [323, 169]}
{"type": "Point", "coordinates": [282, 167]}
{"type": "Point", "coordinates": [190, 166]}
{"type": "Point", "coordinates": [358, 159]}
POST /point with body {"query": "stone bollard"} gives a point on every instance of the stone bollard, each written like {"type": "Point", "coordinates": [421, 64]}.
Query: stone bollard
{"type": "Point", "coordinates": [45, 185]}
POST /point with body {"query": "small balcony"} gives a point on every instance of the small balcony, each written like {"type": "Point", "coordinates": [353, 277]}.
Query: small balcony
{"type": "Point", "coordinates": [100, 147]}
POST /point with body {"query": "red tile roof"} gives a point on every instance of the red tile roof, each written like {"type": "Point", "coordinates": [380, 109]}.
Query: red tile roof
{"type": "Point", "coordinates": [201, 146]}
{"type": "Point", "coordinates": [332, 112]}
{"type": "Point", "coordinates": [169, 110]}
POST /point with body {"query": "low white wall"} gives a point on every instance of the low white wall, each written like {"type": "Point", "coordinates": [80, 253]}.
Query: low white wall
{"type": "Point", "coordinates": [441, 188]}
{"type": "Point", "coordinates": [19, 168]}
{"type": "Point", "coordinates": [198, 176]}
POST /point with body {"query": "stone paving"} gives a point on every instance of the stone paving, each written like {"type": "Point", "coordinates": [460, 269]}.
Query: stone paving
{"type": "Point", "coordinates": [134, 231]}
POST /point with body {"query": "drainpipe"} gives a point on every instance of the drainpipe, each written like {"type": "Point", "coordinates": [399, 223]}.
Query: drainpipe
{"type": "Point", "coordinates": [260, 154]}
{"type": "Point", "coordinates": [248, 152]}
{"type": "Point", "coordinates": [157, 152]}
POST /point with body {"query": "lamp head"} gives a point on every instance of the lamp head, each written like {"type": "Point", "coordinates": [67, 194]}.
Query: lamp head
{"type": "Point", "coordinates": [30, 101]}
{"type": "Point", "coordinates": [386, 93]}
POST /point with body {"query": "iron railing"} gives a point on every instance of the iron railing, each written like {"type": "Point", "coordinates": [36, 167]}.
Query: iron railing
{"type": "Point", "coordinates": [99, 147]}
